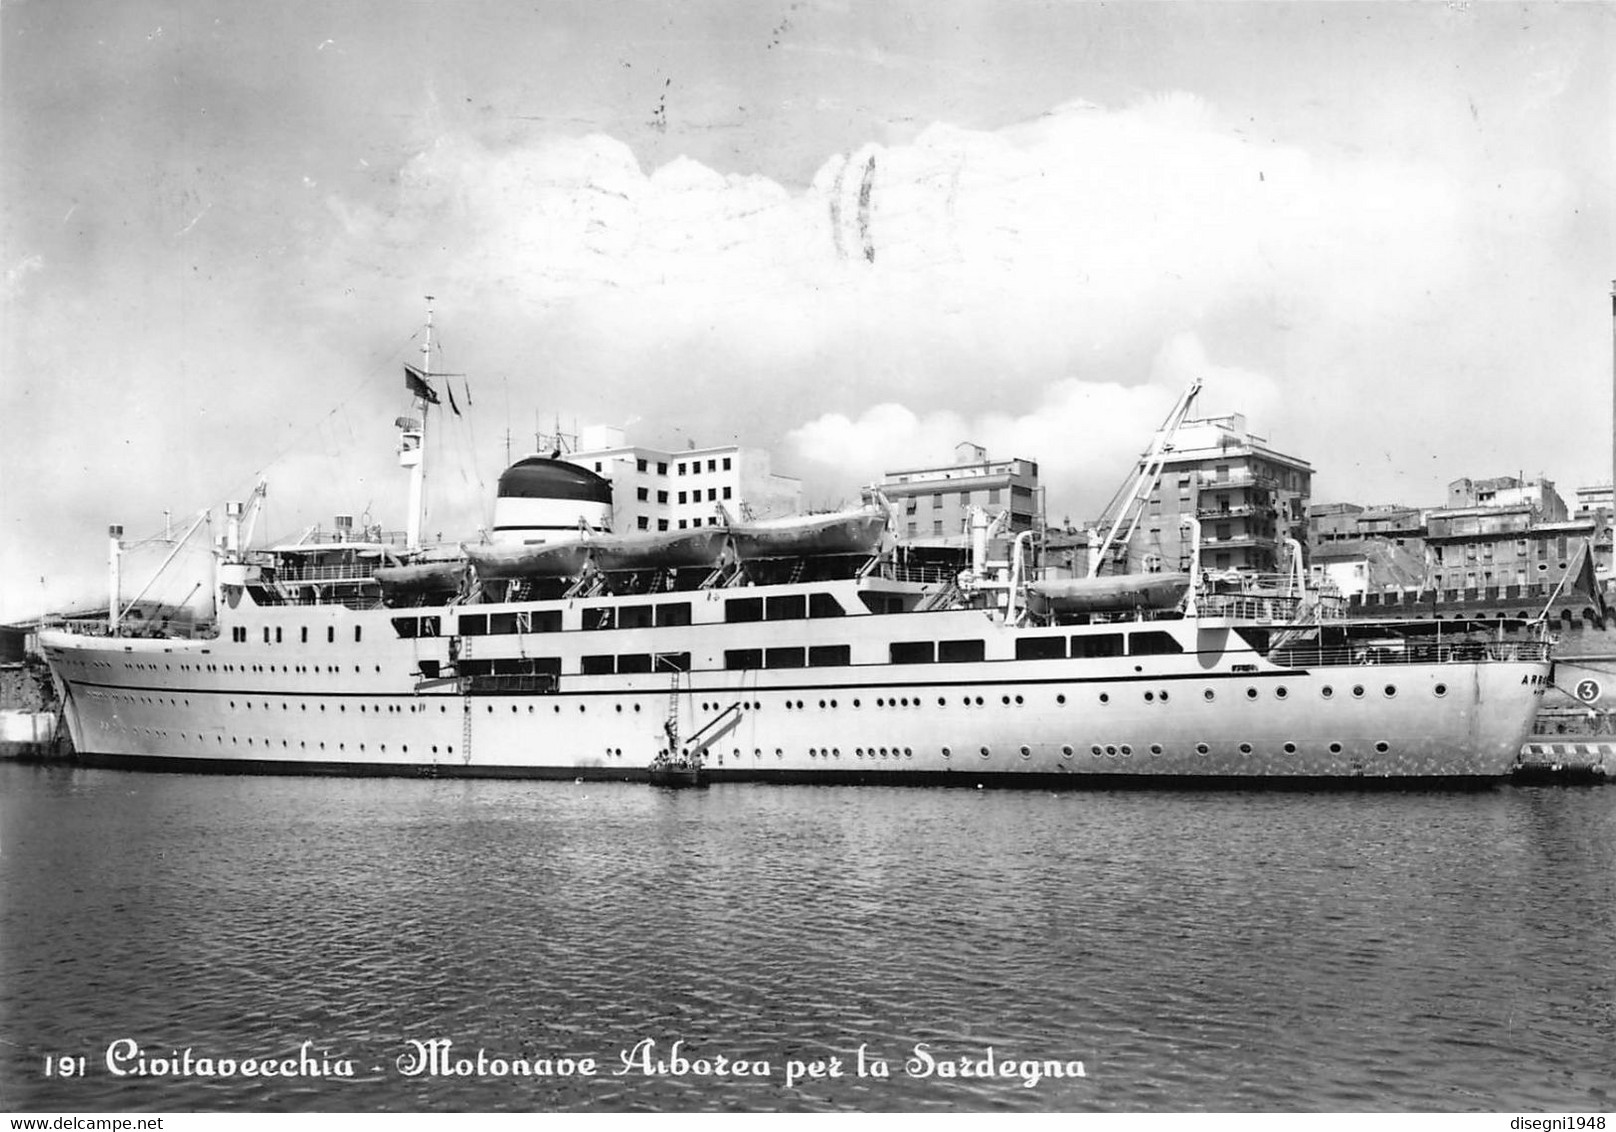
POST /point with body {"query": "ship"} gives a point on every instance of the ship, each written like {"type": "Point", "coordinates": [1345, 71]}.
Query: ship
{"type": "Point", "coordinates": [806, 649]}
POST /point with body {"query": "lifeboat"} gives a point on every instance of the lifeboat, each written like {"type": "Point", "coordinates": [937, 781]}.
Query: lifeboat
{"type": "Point", "coordinates": [1109, 593]}
{"type": "Point", "coordinates": [841, 532]}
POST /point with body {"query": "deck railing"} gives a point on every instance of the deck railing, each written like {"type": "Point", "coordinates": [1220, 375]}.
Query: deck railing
{"type": "Point", "coordinates": [1408, 652]}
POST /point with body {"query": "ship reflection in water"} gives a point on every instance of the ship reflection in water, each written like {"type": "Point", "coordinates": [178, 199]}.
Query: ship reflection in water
{"type": "Point", "coordinates": [468, 945]}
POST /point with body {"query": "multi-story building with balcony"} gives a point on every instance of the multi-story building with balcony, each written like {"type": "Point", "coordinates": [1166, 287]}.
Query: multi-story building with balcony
{"type": "Point", "coordinates": [934, 502]}
{"type": "Point", "coordinates": [1248, 497]}
{"type": "Point", "coordinates": [657, 490]}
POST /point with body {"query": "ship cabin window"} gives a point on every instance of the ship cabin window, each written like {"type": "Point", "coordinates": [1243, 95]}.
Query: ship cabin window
{"type": "Point", "coordinates": [266, 634]}
{"type": "Point", "coordinates": [416, 626]}
{"type": "Point", "coordinates": [882, 603]}
{"type": "Point", "coordinates": [829, 656]}
{"type": "Point", "coordinates": [305, 638]}
{"type": "Point", "coordinates": [739, 609]}
{"type": "Point", "coordinates": [528, 666]}
{"type": "Point", "coordinates": [429, 669]}
{"type": "Point", "coordinates": [1041, 648]}
{"type": "Point", "coordinates": [913, 652]}
{"type": "Point", "coordinates": [743, 658]}
{"type": "Point", "coordinates": [277, 634]}
{"type": "Point", "coordinates": [1155, 643]}
{"type": "Point", "coordinates": [957, 652]}
{"type": "Point", "coordinates": [635, 617]}
{"type": "Point", "coordinates": [791, 607]}
{"type": "Point", "coordinates": [825, 605]}
{"type": "Point", "coordinates": [1089, 647]}
{"type": "Point", "coordinates": [356, 633]}
{"type": "Point", "coordinates": [784, 658]}
{"type": "Point", "coordinates": [672, 662]}
{"type": "Point", "coordinates": [599, 617]}
{"type": "Point", "coordinates": [634, 662]}
{"type": "Point", "coordinates": [330, 635]}
{"type": "Point", "coordinates": [598, 665]}
{"type": "Point", "coordinates": [673, 613]}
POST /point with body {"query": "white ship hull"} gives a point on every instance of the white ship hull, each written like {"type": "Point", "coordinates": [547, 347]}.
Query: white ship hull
{"type": "Point", "coordinates": [327, 689]}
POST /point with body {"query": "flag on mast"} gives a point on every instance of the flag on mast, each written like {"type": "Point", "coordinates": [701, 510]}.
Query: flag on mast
{"type": "Point", "coordinates": [415, 381]}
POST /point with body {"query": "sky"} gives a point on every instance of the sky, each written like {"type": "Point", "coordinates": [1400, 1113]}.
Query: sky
{"type": "Point", "coordinates": [854, 234]}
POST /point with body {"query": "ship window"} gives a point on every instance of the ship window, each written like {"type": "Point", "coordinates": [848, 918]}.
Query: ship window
{"type": "Point", "coordinates": [1096, 645]}
{"type": "Point", "coordinates": [634, 662]}
{"type": "Point", "coordinates": [597, 665]}
{"type": "Point", "coordinates": [1041, 648]}
{"type": "Point", "coordinates": [783, 658]}
{"type": "Point", "coordinates": [743, 658]}
{"type": "Point", "coordinates": [429, 669]}
{"type": "Point", "coordinates": [1154, 643]}
{"type": "Point", "coordinates": [829, 656]}
{"type": "Point", "coordinates": [330, 634]}
{"type": "Point", "coordinates": [743, 609]}
{"type": "Point", "coordinates": [825, 605]}
{"type": "Point", "coordinates": [634, 617]}
{"type": "Point", "coordinates": [913, 652]}
{"type": "Point", "coordinates": [406, 626]}
{"type": "Point", "coordinates": [673, 662]}
{"type": "Point", "coordinates": [356, 633]}
{"type": "Point", "coordinates": [266, 634]}
{"type": "Point", "coordinates": [473, 624]}
{"type": "Point", "coordinates": [792, 607]}
{"type": "Point", "coordinates": [305, 638]}
{"type": "Point", "coordinates": [599, 617]}
{"type": "Point", "coordinates": [528, 666]}
{"type": "Point", "coordinates": [673, 613]}
{"type": "Point", "coordinates": [954, 652]}
{"type": "Point", "coordinates": [471, 668]}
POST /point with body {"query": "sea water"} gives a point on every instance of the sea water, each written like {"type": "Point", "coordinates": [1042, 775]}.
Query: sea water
{"type": "Point", "coordinates": [180, 942]}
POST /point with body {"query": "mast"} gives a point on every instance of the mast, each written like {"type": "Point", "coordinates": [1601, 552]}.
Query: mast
{"type": "Point", "coordinates": [413, 453]}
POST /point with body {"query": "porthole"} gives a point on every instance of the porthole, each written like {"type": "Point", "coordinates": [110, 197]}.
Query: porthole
{"type": "Point", "coordinates": [1105, 698]}
{"type": "Point", "coordinates": [1391, 690]}
{"type": "Point", "coordinates": [985, 752]}
{"type": "Point", "coordinates": [1098, 750]}
{"type": "Point", "coordinates": [855, 703]}
{"type": "Point", "coordinates": [1251, 693]}
{"type": "Point", "coordinates": [1326, 692]}
{"type": "Point", "coordinates": [1060, 699]}
{"type": "Point", "coordinates": [1335, 748]}
{"type": "Point", "coordinates": [1209, 695]}
{"type": "Point", "coordinates": [1150, 697]}
{"type": "Point", "coordinates": [858, 752]}
{"type": "Point", "coordinates": [1018, 699]}
{"type": "Point", "coordinates": [1026, 751]}
{"type": "Point", "coordinates": [1066, 751]}
{"type": "Point", "coordinates": [1290, 748]}
{"type": "Point", "coordinates": [1245, 748]}
{"type": "Point", "coordinates": [947, 753]}
{"type": "Point", "coordinates": [1155, 748]}
{"type": "Point", "coordinates": [1127, 751]}
{"type": "Point", "coordinates": [1280, 693]}
{"type": "Point", "coordinates": [1357, 691]}
{"type": "Point", "coordinates": [1110, 751]}
{"type": "Point", "coordinates": [1383, 746]}
{"type": "Point", "coordinates": [1163, 695]}
{"type": "Point", "coordinates": [1440, 689]}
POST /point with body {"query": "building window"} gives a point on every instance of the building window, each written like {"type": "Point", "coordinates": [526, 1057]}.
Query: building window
{"type": "Point", "coordinates": [726, 463]}
{"type": "Point", "coordinates": [661, 468]}
{"type": "Point", "coordinates": [661, 497]}
{"type": "Point", "coordinates": [712, 465]}
{"type": "Point", "coordinates": [681, 467]}
{"type": "Point", "coordinates": [726, 493]}
{"type": "Point", "coordinates": [936, 526]}
{"type": "Point", "coordinates": [937, 501]}
{"type": "Point", "coordinates": [641, 465]}
{"type": "Point", "coordinates": [645, 523]}
{"type": "Point", "coordinates": [712, 494]}
{"type": "Point", "coordinates": [661, 524]}
{"type": "Point", "coordinates": [681, 500]}
{"type": "Point", "coordinates": [643, 494]}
